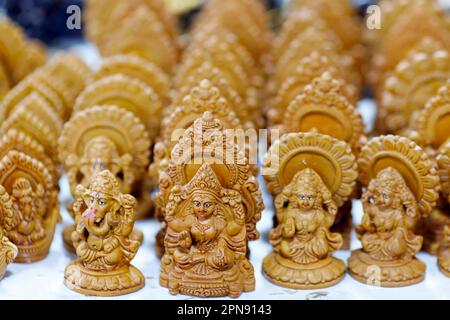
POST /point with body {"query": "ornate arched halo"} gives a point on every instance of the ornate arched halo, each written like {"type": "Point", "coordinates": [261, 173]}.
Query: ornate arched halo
{"type": "Point", "coordinates": [414, 81]}
{"type": "Point", "coordinates": [31, 84]}
{"type": "Point", "coordinates": [322, 108]}
{"type": "Point", "coordinates": [143, 23]}
{"type": "Point", "coordinates": [136, 67]}
{"type": "Point", "coordinates": [17, 140]}
{"type": "Point", "coordinates": [443, 164]}
{"type": "Point", "coordinates": [29, 123]}
{"type": "Point", "coordinates": [121, 127]}
{"type": "Point", "coordinates": [185, 160]}
{"type": "Point", "coordinates": [202, 98]}
{"type": "Point", "coordinates": [17, 165]}
{"type": "Point", "coordinates": [434, 120]}
{"type": "Point", "coordinates": [408, 159]}
{"type": "Point", "coordinates": [128, 93]}
{"type": "Point", "coordinates": [330, 158]}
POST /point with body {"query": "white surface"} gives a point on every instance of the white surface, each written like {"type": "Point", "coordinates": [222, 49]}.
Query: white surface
{"type": "Point", "coordinates": [44, 279]}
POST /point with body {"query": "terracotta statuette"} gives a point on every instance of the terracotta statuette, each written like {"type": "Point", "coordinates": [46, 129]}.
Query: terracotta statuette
{"type": "Point", "coordinates": [322, 108]}
{"type": "Point", "coordinates": [104, 138]}
{"type": "Point", "coordinates": [401, 186]}
{"type": "Point", "coordinates": [210, 206]}
{"type": "Point", "coordinates": [432, 131]}
{"type": "Point", "coordinates": [414, 81]}
{"type": "Point", "coordinates": [8, 252]}
{"type": "Point", "coordinates": [138, 68]}
{"type": "Point", "coordinates": [309, 68]}
{"type": "Point", "coordinates": [310, 176]}
{"type": "Point", "coordinates": [444, 254]}
{"type": "Point", "coordinates": [20, 56]}
{"type": "Point", "coordinates": [104, 222]}
{"type": "Point", "coordinates": [30, 205]}
{"type": "Point", "coordinates": [128, 93]}
{"type": "Point", "coordinates": [142, 23]}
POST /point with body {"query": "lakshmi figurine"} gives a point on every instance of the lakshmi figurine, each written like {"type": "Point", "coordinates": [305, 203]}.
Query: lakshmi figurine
{"type": "Point", "coordinates": [206, 238]}
{"type": "Point", "coordinates": [401, 186]}
{"type": "Point", "coordinates": [104, 222]}
{"type": "Point", "coordinates": [8, 252]}
{"type": "Point", "coordinates": [310, 175]}
{"type": "Point", "coordinates": [104, 138]}
{"type": "Point", "coordinates": [210, 207]}
{"type": "Point", "coordinates": [323, 107]}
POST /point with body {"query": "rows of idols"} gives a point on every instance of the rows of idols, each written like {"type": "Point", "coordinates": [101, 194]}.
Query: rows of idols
{"type": "Point", "coordinates": [156, 116]}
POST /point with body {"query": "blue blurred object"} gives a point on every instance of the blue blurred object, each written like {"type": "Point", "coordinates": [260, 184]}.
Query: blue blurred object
{"type": "Point", "coordinates": [362, 5]}
{"type": "Point", "coordinates": [43, 19]}
{"type": "Point", "coordinates": [46, 19]}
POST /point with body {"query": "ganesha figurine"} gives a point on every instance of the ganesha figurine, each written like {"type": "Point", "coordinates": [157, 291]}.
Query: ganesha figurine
{"type": "Point", "coordinates": [8, 252]}
{"type": "Point", "coordinates": [401, 185]}
{"type": "Point", "coordinates": [310, 175]}
{"type": "Point", "coordinates": [104, 138]}
{"type": "Point", "coordinates": [210, 207]}
{"type": "Point", "coordinates": [104, 222]}
{"type": "Point", "coordinates": [29, 205]}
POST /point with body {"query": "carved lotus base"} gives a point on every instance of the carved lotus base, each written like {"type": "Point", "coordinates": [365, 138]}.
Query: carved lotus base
{"type": "Point", "coordinates": [114, 283]}
{"type": "Point", "coordinates": [286, 273]}
{"type": "Point", "coordinates": [397, 273]}
{"type": "Point", "coordinates": [212, 284]}
{"type": "Point", "coordinates": [136, 235]}
{"type": "Point", "coordinates": [212, 287]}
{"type": "Point", "coordinates": [444, 262]}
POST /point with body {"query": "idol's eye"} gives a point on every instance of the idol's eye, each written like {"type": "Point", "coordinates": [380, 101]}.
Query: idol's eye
{"type": "Point", "coordinates": [371, 200]}
{"type": "Point", "coordinates": [302, 197]}
{"type": "Point", "coordinates": [102, 202]}
{"type": "Point", "coordinates": [197, 204]}
{"type": "Point", "coordinates": [310, 197]}
{"type": "Point", "coordinates": [385, 196]}
{"type": "Point", "coordinates": [379, 195]}
{"type": "Point", "coordinates": [207, 205]}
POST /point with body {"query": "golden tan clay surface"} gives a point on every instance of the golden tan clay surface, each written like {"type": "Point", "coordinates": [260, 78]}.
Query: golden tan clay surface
{"type": "Point", "coordinates": [99, 138]}
{"type": "Point", "coordinates": [210, 211]}
{"type": "Point", "coordinates": [8, 252]}
{"type": "Point", "coordinates": [310, 176]}
{"type": "Point", "coordinates": [30, 205]}
{"type": "Point", "coordinates": [444, 254]}
{"type": "Point", "coordinates": [104, 222]}
{"type": "Point", "coordinates": [401, 186]}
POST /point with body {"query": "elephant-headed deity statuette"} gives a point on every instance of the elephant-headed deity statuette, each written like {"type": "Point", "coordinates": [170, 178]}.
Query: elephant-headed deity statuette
{"type": "Point", "coordinates": [30, 208]}
{"type": "Point", "coordinates": [104, 219]}
{"type": "Point", "coordinates": [103, 138]}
